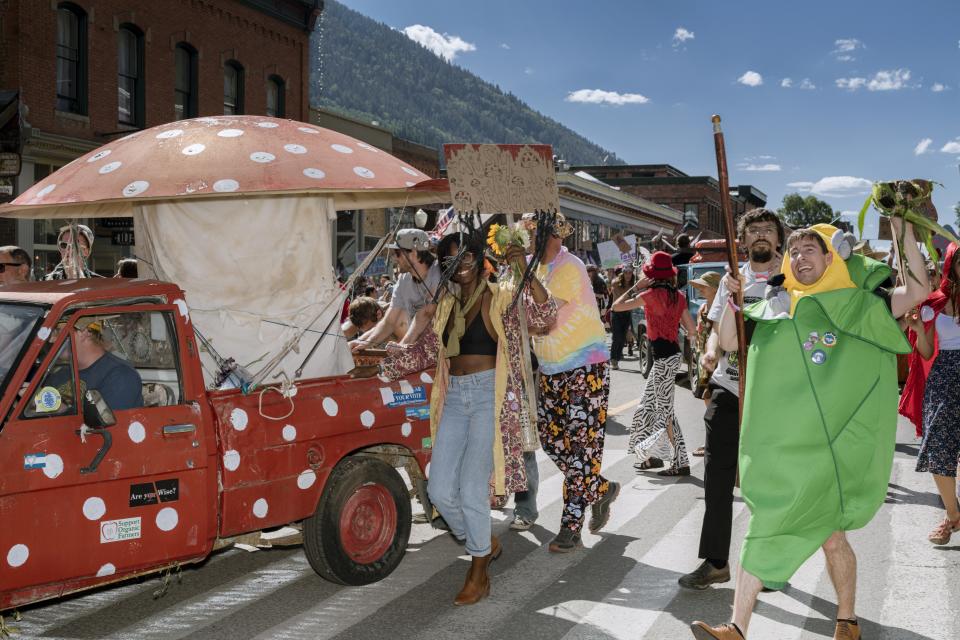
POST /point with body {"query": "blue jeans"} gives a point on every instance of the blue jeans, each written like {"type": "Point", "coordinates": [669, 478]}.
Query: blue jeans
{"type": "Point", "coordinates": [462, 460]}
{"type": "Point", "coordinates": [525, 502]}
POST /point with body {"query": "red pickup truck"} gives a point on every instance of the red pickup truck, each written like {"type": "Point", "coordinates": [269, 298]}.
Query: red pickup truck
{"type": "Point", "coordinates": [91, 495]}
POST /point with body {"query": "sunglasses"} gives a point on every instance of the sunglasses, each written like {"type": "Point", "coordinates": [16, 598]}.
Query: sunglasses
{"type": "Point", "coordinates": [449, 261]}
{"type": "Point", "coordinates": [63, 246]}
{"type": "Point", "coordinates": [4, 265]}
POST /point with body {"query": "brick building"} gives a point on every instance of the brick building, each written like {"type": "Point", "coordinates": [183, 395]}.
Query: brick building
{"type": "Point", "coordinates": [697, 196]}
{"type": "Point", "coordinates": [87, 71]}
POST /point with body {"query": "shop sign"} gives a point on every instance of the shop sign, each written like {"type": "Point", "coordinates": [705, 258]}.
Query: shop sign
{"type": "Point", "coordinates": [378, 266]}
{"type": "Point", "coordinates": [9, 163]}
{"type": "Point", "coordinates": [122, 238]}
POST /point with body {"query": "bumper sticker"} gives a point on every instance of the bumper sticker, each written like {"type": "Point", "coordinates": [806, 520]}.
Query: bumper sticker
{"type": "Point", "coordinates": [118, 530]}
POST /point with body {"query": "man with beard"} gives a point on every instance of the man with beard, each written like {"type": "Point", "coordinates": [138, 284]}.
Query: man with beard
{"type": "Point", "coordinates": [761, 233]}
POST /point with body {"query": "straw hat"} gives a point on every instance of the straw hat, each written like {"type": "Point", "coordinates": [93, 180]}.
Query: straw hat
{"type": "Point", "coordinates": [864, 249]}
{"type": "Point", "coordinates": [708, 280]}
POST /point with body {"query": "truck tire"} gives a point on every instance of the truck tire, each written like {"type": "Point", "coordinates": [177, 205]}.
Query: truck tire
{"type": "Point", "coordinates": [360, 529]}
{"type": "Point", "coordinates": [644, 354]}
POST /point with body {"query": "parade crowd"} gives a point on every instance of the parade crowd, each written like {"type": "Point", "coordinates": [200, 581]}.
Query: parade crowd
{"type": "Point", "coordinates": [824, 321]}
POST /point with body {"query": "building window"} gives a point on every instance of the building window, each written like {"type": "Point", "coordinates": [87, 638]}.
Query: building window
{"type": "Point", "coordinates": [232, 88]}
{"type": "Point", "coordinates": [275, 98]}
{"type": "Point", "coordinates": [71, 59]}
{"type": "Point", "coordinates": [185, 81]}
{"type": "Point", "coordinates": [130, 83]}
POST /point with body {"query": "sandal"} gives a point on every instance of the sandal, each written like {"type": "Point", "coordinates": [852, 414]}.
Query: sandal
{"type": "Point", "coordinates": [649, 463]}
{"type": "Point", "coordinates": [675, 471]}
{"type": "Point", "coordinates": [942, 532]}
{"type": "Point", "coordinates": [699, 452]}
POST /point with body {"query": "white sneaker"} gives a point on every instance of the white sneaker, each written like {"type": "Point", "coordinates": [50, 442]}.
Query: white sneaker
{"type": "Point", "coordinates": [521, 524]}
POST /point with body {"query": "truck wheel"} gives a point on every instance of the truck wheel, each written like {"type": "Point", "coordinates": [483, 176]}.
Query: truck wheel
{"type": "Point", "coordinates": [360, 529]}
{"type": "Point", "coordinates": [645, 355]}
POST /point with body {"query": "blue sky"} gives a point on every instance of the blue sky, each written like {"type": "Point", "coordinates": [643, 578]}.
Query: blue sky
{"type": "Point", "coordinates": [873, 90]}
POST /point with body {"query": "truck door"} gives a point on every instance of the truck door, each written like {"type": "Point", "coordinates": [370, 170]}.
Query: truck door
{"type": "Point", "coordinates": [131, 496]}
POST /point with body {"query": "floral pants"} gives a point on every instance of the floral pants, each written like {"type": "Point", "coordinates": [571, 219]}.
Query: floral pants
{"type": "Point", "coordinates": [571, 419]}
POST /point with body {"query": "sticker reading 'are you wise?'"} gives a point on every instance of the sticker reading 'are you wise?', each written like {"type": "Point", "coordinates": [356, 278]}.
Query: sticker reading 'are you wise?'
{"type": "Point", "coordinates": [148, 493]}
{"type": "Point", "coordinates": [119, 530]}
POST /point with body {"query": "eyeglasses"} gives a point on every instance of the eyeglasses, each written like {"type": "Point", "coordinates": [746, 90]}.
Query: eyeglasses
{"type": "Point", "coordinates": [762, 231]}
{"type": "Point", "coordinates": [4, 265]}
{"type": "Point", "coordinates": [63, 245]}
{"type": "Point", "coordinates": [449, 261]}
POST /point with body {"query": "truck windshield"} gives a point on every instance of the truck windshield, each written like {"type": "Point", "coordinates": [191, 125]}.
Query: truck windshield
{"type": "Point", "coordinates": [16, 324]}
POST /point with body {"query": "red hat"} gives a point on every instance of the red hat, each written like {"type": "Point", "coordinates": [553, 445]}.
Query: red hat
{"type": "Point", "coordinates": [660, 266]}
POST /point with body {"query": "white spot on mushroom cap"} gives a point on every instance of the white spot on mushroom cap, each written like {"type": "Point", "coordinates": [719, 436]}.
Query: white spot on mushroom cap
{"type": "Point", "coordinates": [43, 333]}
{"type": "Point", "coordinates": [330, 406]}
{"type": "Point", "coordinates": [406, 387]}
{"type": "Point", "coordinates": [181, 306]}
{"type": "Point", "coordinates": [110, 167]}
{"type": "Point", "coordinates": [410, 171]}
{"type": "Point", "coordinates": [167, 519]}
{"type": "Point", "coordinates": [269, 125]}
{"type": "Point", "coordinates": [260, 508]}
{"type": "Point", "coordinates": [47, 190]}
{"type": "Point", "coordinates": [295, 148]}
{"type": "Point", "coordinates": [230, 133]}
{"type": "Point", "coordinates": [306, 478]}
{"type": "Point", "coordinates": [136, 432]}
{"type": "Point", "coordinates": [262, 157]}
{"type": "Point", "coordinates": [94, 508]}
{"type": "Point", "coordinates": [316, 174]}
{"type": "Point", "coordinates": [367, 419]}
{"type": "Point", "coordinates": [410, 184]}
{"type": "Point", "coordinates": [231, 460]}
{"type": "Point", "coordinates": [54, 466]}
{"type": "Point", "coordinates": [406, 429]}
{"type": "Point", "coordinates": [170, 133]}
{"type": "Point", "coordinates": [106, 570]}
{"type": "Point", "coordinates": [363, 172]}
{"type": "Point", "coordinates": [239, 419]}
{"type": "Point", "coordinates": [17, 555]}
{"type": "Point", "coordinates": [364, 145]}
{"type": "Point", "coordinates": [193, 149]}
{"type": "Point", "coordinates": [135, 188]}
{"type": "Point", "coordinates": [341, 148]}
{"type": "Point", "coordinates": [426, 470]}
{"type": "Point", "coordinates": [425, 377]}
{"type": "Point", "coordinates": [289, 433]}
{"type": "Point", "coordinates": [100, 155]}
{"type": "Point", "coordinates": [307, 130]}
{"type": "Point", "coordinates": [226, 185]}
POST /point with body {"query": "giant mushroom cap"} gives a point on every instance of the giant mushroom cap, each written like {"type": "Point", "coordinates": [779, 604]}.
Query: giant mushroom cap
{"type": "Point", "coordinates": [226, 156]}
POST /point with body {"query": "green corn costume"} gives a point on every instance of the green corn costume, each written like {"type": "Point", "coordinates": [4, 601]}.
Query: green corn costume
{"type": "Point", "coordinates": [819, 417]}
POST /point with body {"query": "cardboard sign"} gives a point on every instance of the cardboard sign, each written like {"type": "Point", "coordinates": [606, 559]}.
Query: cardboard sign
{"type": "Point", "coordinates": [501, 178]}
{"type": "Point", "coordinates": [620, 250]}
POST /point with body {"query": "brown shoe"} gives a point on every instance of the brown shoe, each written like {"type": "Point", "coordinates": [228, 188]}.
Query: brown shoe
{"type": "Point", "coordinates": [477, 585]}
{"type": "Point", "coordinates": [704, 576]}
{"type": "Point", "coordinates": [846, 631]}
{"type": "Point", "coordinates": [703, 631]}
{"type": "Point", "coordinates": [495, 548]}
{"type": "Point", "coordinates": [942, 533]}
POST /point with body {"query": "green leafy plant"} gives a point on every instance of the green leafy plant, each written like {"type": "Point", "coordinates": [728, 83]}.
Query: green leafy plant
{"type": "Point", "coordinates": [910, 200]}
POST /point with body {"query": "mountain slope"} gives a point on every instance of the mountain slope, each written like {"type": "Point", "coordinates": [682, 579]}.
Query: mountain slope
{"type": "Point", "coordinates": [367, 70]}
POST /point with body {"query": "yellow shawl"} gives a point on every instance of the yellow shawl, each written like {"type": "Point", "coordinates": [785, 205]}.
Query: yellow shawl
{"type": "Point", "coordinates": [834, 277]}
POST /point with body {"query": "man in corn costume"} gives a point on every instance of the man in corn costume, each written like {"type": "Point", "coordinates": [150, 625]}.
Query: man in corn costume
{"type": "Point", "coordinates": [823, 352]}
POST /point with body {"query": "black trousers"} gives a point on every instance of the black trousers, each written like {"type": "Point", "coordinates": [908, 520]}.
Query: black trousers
{"type": "Point", "coordinates": [719, 472]}
{"type": "Point", "coordinates": [620, 323]}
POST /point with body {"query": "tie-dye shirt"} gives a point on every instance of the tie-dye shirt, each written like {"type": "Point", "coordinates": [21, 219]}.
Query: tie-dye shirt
{"type": "Point", "coordinates": [578, 338]}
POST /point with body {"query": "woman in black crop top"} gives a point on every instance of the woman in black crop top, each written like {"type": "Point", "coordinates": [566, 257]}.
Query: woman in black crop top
{"type": "Point", "coordinates": [475, 402]}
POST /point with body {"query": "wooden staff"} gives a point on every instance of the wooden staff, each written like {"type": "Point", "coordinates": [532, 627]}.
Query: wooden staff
{"type": "Point", "coordinates": [730, 230]}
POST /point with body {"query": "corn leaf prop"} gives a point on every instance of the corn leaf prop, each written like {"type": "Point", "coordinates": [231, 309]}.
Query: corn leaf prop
{"type": "Point", "coordinates": [910, 200]}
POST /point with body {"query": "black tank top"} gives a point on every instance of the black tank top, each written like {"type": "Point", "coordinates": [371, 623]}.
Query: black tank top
{"type": "Point", "coordinates": [476, 340]}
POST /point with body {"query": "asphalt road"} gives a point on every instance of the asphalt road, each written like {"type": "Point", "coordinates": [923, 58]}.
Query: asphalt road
{"type": "Point", "coordinates": [622, 585]}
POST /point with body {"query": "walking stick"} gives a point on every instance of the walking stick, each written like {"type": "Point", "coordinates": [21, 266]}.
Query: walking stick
{"type": "Point", "coordinates": [730, 232]}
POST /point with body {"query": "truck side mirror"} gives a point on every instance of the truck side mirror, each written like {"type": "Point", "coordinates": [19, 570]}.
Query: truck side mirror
{"type": "Point", "coordinates": [96, 411]}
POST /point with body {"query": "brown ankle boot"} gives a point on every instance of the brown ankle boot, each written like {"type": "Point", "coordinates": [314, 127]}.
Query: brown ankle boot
{"type": "Point", "coordinates": [495, 548]}
{"type": "Point", "coordinates": [477, 585]}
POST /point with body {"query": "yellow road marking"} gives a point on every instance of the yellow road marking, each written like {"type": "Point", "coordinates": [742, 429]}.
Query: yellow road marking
{"type": "Point", "coordinates": [623, 407]}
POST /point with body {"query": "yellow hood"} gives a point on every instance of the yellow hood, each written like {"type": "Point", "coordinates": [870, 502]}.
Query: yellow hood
{"type": "Point", "coordinates": [836, 275]}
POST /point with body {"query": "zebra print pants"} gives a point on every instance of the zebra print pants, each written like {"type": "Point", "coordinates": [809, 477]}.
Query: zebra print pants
{"type": "Point", "coordinates": [655, 420]}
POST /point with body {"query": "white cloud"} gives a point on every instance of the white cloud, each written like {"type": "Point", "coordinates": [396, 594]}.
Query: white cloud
{"type": "Point", "coordinates": [743, 166]}
{"type": "Point", "coordinates": [442, 44]}
{"type": "Point", "coordinates": [851, 84]}
{"type": "Point", "coordinates": [922, 146]}
{"type": "Point", "coordinates": [881, 81]}
{"type": "Point", "coordinates": [952, 147]}
{"type": "Point", "coordinates": [844, 48]}
{"type": "Point", "coordinates": [807, 84]}
{"type": "Point", "coordinates": [504, 45]}
{"type": "Point", "coordinates": [786, 83]}
{"type": "Point", "coordinates": [681, 35]}
{"type": "Point", "coordinates": [938, 87]}
{"type": "Point", "coordinates": [835, 186]}
{"type": "Point", "coordinates": [800, 186]}
{"type": "Point", "coordinates": [751, 79]}
{"type": "Point", "coordinates": [599, 96]}
{"type": "Point", "coordinates": [528, 71]}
